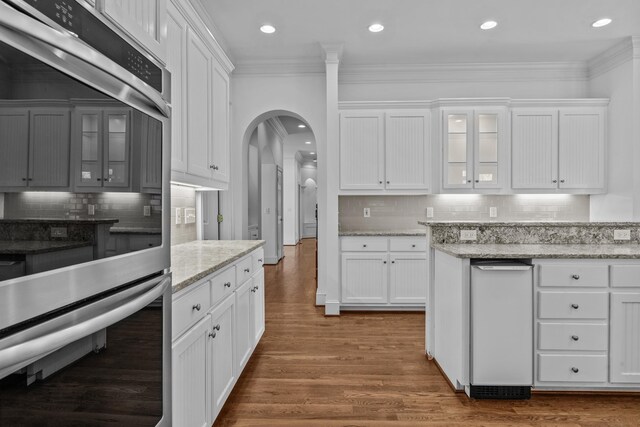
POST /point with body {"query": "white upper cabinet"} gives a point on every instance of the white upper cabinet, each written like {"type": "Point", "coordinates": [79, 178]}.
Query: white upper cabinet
{"type": "Point", "coordinates": [219, 156]}
{"type": "Point", "coordinates": [473, 147]}
{"type": "Point", "coordinates": [14, 147]}
{"type": "Point", "coordinates": [559, 149]}
{"type": "Point", "coordinates": [362, 150]}
{"type": "Point", "coordinates": [385, 150]}
{"type": "Point", "coordinates": [142, 20]}
{"type": "Point", "coordinates": [176, 58]}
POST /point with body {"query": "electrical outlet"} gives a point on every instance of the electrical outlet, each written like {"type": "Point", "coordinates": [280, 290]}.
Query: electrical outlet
{"type": "Point", "coordinates": [189, 215]}
{"type": "Point", "coordinates": [178, 215]}
{"type": "Point", "coordinates": [367, 212]}
{"type": "Point", "coordinates": [146, 211]}
{"type": "Point", "coordinates": [91, 209]}
{"type": "Point", "coordinates": [468, 235]}
{"type": "Point", "coordinates": [58, 231]}
{"type": "Point", "coordinates": [621, 234]}
{"type": "Point", "coordinates": [429, 212]}
{"type": "Point", "coordinates": [493, 212]}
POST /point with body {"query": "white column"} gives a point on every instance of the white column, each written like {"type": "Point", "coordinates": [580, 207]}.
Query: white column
{"type": "Point", "coordinates": [328, 250]}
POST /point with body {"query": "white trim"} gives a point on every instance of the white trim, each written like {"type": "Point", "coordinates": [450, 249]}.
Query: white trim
{"type": "Point", "coordinates": [320, 298]}
{"type": "Point", "coordinates": [278, 127]}
{"type": "Point", "coordinates": [463, 72]}
{"type": "Point", "coordinates": [615, 56]}
{"type": "Point", "coordinates": [332, 308]}
{"type": "Point", "coordinates": [280, 68]}
{"type": "Point", "coordinates": [398, 307]}
{"type": "Point", "coordinates": [476, 102]}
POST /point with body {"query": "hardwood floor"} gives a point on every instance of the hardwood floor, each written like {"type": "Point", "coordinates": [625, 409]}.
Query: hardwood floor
{"type": "Point", "coordinates": [369, 369]}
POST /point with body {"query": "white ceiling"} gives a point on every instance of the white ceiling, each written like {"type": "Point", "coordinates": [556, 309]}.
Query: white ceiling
{"type": "Point", "coordinates": [422, 31]}
{"type": "Point", "coordinates": [291, 124]}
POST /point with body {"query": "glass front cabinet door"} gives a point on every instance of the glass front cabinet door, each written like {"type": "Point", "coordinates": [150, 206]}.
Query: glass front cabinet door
{"type": "Point", "coordinates": [473, 142]}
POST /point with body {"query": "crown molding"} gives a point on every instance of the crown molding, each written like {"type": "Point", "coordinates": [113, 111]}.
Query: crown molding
{"type": "Point", "coordinates": [475, 102]}
{"type": "Point", "coordinates": [624, 51]}
{"type": "Point", "coordinates": [282, 67]}
{"type": "Point", "coordinates": [278, 127]}
{"type": "Point", "coordinates": [464, 72]}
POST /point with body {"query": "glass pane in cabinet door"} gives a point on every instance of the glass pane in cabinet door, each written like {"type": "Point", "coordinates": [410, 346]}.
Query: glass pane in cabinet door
{"type": "Point", "coordinates": [117, 138]}
{"type": "Point", "coordinates": [116, 173]}
{"type": "Point", "coordinates": [488, 138]}
{"type": "Point", "coordinates": [457, 149]}
{"type": "Point", "coordinates": [90, 137]}
{"type": "Point", "coordinates": [90, 173]}
{"type": "Point", "coordinates": [457, 174]}
{"type": "Point", "coordinates": [488, 173]}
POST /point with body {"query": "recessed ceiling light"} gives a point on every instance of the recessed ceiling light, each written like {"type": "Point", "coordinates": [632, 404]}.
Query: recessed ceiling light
{"type": "Point", "coordinates": [601, 22]}
{"type": "Point", "coordinates": [376, 28]}
{"type": "Point", "coordinates": [307, 142]}
{"type": "Point", "coordinates": [268, 29]}
{"type": "Point", "coordinates": [315, 160]}
{"type": "Point", "coordinates": [488, 25]}
{"type": "Point", "coordinates": [301, 126]}
{"type": "Point", "coordinates": [312, 152]}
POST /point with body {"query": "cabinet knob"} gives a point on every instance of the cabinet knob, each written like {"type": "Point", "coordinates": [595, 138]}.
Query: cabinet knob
{"type": "Point", "coordinates": [575, 276]}
{"type": "Point", "coordinates": [393, 262]}
{"type": "Point", "coordinates": [379, 182]}
{"type": "Point", "coordinates": [477, 180]}
{"type": "Point", "coordinates": [227, 285]}
{"type": "Point", "coordinates": [214, 167]}
{"type": "Point", "coordinates": [217, 327]}
{"type": "Point", "coordinates": [256, 287]}
{"type": "Point", "coordinates": [364, 246]}
{"type": "Point", "coordinates": [246, 270]}
{"type": "Point", "coordinates": [575, 306]}
{"type": "Point", "coordinates": [562, 180]}
{"type": "Point", "coordinates": [413, 246]}
{"type": "Point", "coordinates": [575, 337]}
{"type": "Point", "coordinates": [388, 182]}
{"type": "Point", "coordinates": [253, 289]}
{"type": "Point", "coordinates": [24, 179]}
{"type": "Point", "coordinates": [384, 262]}
{"type": "Point", "coordinates": [260, 260]}
{"type": "Point", "coordinates": [575, 370]}
{"type": "Point", "coordinates": [98, 179]}
{"type": "Point", "coordinates": [212, 334]}
{"type": "Point", "coordinates": [554, 181]}
{"type": "Point", "coordinates": [197, 307]}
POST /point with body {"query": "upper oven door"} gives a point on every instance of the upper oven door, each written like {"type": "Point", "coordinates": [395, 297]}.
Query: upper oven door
{"type": "Point", "coordinates": [84, 171]}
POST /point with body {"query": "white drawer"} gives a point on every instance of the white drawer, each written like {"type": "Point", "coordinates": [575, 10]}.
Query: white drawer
{"type": "Point", "coordinates": [568, 275]}
{"type": "Point", "coordinates": [625, 276]}
{"type": "Point", "coordinates": [190, 308]}
{"type": "Point", "coordinates": [258, 259]}
{"type": "Point", "coordinates": [408, 244]}
{"type": "Point", "coordinates": [364, 244]}
{"type": "Point", "coordinates": [244, 270]}
{"type": "Point", "coordinates": [573, 336]}
{"type": "Point", "coordinates": [572, 368]}
{"type": "Point", "coordinates": [573, 305]}
{"type": "Point", "coordinates": [223, 285]}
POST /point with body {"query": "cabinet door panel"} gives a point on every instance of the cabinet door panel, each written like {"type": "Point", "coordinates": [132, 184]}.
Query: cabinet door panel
{"type": "Point", "coordinates": [176, 58]}
{"type": "Point", "coordinates": [198, 106]}
{"type": "Point", "coordinates": [361, 151]}
{"type": "Point", "coordinates": [152, 156]}
{"type": "Point", "coordinates": [625, 338]}
{"type": "Point", "coordinates": [364, 278]}
{"type": "Point", "coordinates": [222, 353]}
{"type": "Point", "coordinates": [457, 149]}
{"type": "Point", "coordinates": [408, 279]}
{"type": "Point", "coordinates": [189, 375]}
{"type": "Point", "coordinates": [258, 306]}
{"type": "Point", "coordinates": [534, 149]}
{"type": "Point", "coordinates": [407, 150]}
{"type": "Point", "coordinates": [582, 147]}
{"type": "Point", "coordinates": [49, 148]}
{"type": "Point", "coordinates": [244, 325]}
{"type": "Point", "coordinates": [14, 147]}
{"type": "Point", "coordinates": [88, 151]}
{"type": "Point", "coordinates": [220, 124]}
{"type": "Point", "coordinates": [489, 141]}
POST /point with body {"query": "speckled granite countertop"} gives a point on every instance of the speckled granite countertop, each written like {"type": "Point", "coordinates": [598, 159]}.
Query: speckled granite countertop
{"type": "Point", "coordinates": [417, 232]}
{"type": "Point", "coordinates": [529, 223]}
{"type": "Point", "coordinates": [493, 251]}
{"type": "Point", "coordinates": [193, 261]}
{"type": "Point", "coordinates": [31, 247]}
{"type": "Point", "coordinates": [135, 230]}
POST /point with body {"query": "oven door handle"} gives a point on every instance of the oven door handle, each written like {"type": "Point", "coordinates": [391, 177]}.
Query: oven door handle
{"type": "Point", "coordinates": [18, 354]}
{"type": "Point", "coordinates": [66, 44]}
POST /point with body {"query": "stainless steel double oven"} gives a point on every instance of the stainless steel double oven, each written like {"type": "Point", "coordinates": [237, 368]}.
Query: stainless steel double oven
{"type": "Point", "coordinates": [85, 288]}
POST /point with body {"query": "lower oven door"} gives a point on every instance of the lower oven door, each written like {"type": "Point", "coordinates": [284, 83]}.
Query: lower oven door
{"type": "Point", "coordinates": [106, 362]}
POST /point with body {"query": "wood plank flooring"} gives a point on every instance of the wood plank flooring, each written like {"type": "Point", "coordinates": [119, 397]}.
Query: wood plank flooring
{"type": "Point", "coordinates": [369, 369]}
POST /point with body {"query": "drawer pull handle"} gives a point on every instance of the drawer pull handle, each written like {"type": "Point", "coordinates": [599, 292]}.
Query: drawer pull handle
{"type": "Point", "coordinates": [253, 289]}
{"type": "Point", "coordinates": [246, 270]}
{"type": "Point", "coordinates": [227, 285]}
{"type": "Point", "coordinates": [575, 306]}
{"type": "Point", "coordinates": [260, 260]}
{"type": "Point", "coordinates": [575, 276]}
{"type": "Point", "coordinates": [217, 327]}
{"type": "Point", "coordinates": [212, 334]}
{"type": "Point", "coordinates": [197, 307]}
{"type": "Point", "coordinates": [575, 370]}
{"type": "Point", "coordinates": [575, 337]}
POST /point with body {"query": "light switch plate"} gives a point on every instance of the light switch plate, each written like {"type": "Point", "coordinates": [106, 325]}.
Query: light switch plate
{"type": "Point", "coordinates": [429, 212]}
{"type": "Point", "coordinates": [189, 215]}
{"type": "Point", "coordinates": [146, 211]}
{"type": "Point", "coordinates": [367, 212]}
{"type": "Point", "coordinates": [468, 235]}
{"type": "Point", "coordinates": [178, 215]}
{"type": "Point", "coordinates": [493, 212]}
{"type": "Point", "coordinates": [91, 209]}
{"type": "Point", "coordinates": [621, 234]}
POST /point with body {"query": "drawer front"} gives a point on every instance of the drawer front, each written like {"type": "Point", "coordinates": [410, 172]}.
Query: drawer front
{"type": "Point", "coordinates": [244, 270]}
{"type": "Point", "coordinates": [190, 308]}
{"type": "Point", "coordinates": [625, 276]}
{"type": "Point", "coordinates": [573, 305]}
{"type": "Point", "coordinates": [408, 245]}
{"type": "Point", "coordinates": [258, 259]}
{"type": "Point", "coordinates": [364, 244]}
{"type": "Point", "coordinates": [572, 368]}
{"type": "Point", "coordinates": [568, 275]}
{"type": "Point", "coordinates": [223, 285]}
{"type": "Point", "coordinates": [573, 336]}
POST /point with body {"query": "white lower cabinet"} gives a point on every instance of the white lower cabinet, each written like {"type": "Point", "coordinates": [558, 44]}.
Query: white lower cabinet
{"type": "Point", "coordinates": [624, 354]}
{"type": "Point", "coordinates": [216, 327]}
{"type": "Point", "coordinates": [384, 272]}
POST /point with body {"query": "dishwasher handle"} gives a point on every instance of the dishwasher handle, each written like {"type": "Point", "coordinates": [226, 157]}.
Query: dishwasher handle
{"type": "Point", "coordinates": [503, 267]}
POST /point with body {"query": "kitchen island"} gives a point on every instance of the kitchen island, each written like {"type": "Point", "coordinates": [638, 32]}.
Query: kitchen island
{"type": "Point", "coordinates": [582, 327]}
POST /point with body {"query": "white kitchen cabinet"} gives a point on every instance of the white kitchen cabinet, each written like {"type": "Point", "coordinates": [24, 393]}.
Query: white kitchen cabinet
{"type": "Point", "coordinates": [558, 149]}
{"type": "Point", "coordinates": [142, 20]}
{"type": "Point", "coordinates": [625, 338]}
{"type": "Point", "coordinates": [385, 150]}
{"type": "Point", "coordinates": [473, 147]}
{"type": "Point", "coordinates": [177, 28]}
{"type": "Point", "coordinates": [365, 278]}
{"type": "Point", "coordinates": [219, 145]}
{"type": "Point", "coordinates": [221, 354]}
{"type": "Point", "coordinates": [407, 279]}
{"type": "Point", "coordinates": [244, 324]}
{"type": "Point", "coordinates": [14, 147]}
{"type": "Point", "coordinates": [257, 305]}
{"type": "Point", "coordinates": [151, 156]}
{"type": "Point", "coordinates": [189, 377]}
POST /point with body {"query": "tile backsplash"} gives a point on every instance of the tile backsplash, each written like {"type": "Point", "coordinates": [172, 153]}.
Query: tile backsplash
{"type": "Point", "coordinates": [182, 197]}
{"type": "Point", "coordinates": [403, 212]}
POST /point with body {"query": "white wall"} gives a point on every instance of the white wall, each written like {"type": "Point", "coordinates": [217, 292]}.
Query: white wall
{"type": "Point", "coordinates": [254, 183]}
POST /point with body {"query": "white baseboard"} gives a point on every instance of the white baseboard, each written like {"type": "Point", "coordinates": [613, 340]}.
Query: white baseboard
{"type": "Point", "coordinates": [364, 307]}
{"type": "Point", "coordinates": [271, 260]}
{"type": "Point", "coordinates": [332, 308]}
{"type": "Point", "coordinates": [320, 298]}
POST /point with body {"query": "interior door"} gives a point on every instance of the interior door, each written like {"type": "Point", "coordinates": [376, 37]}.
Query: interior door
{"type": "Point", "coordinates": [209, 210]}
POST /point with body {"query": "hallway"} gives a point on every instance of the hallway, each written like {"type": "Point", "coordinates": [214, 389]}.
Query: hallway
{"type": "Point", "coordinates": [369, 369]}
